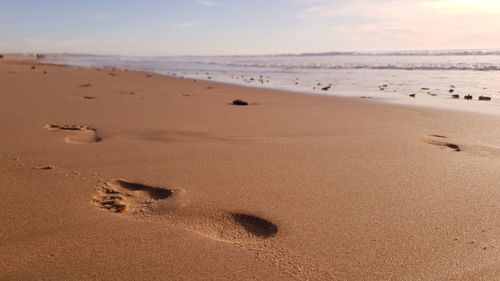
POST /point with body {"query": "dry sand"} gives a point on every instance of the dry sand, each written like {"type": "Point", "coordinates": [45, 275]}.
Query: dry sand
{"type": "Point", "coordinates": [114, 175]}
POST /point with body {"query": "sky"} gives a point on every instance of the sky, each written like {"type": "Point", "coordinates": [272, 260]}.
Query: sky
{"type": "Point", "coordinates": [232, 27]}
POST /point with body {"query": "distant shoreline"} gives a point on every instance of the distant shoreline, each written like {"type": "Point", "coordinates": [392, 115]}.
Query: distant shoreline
{"type": "Point", "coordinates": [406, 78]}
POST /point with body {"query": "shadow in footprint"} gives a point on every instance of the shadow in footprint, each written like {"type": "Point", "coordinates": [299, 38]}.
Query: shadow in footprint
{"type": "Point", "coordinates": [438, 136]}
{"type": "Point", "coordinates": [452, 146]}
{"type": "Point", "coordinates": [155, 192]}
{"type": "Point", "coordinates": [64, 127]}
{"type": "Point", "coordinates": [256, 226]}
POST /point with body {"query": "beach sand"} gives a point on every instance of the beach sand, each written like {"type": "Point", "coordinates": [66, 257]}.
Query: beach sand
{"type": "Point", "coordinates": [116, 175]}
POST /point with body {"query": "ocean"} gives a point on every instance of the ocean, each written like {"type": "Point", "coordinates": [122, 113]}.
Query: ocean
{"type": "Point", "coordinates": [420, 78]}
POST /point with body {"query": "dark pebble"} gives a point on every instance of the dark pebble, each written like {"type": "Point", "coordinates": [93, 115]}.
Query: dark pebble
{"type": "Point", "coordinates": [484, 98]}
{"type": "Point", "coordinates": [240, 102]}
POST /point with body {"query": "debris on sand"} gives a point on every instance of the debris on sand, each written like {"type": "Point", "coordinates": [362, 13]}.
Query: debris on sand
{"type": "Point", "coordinates": [239, 102]}
{"type": "Point", "coordinates": [484, 98]}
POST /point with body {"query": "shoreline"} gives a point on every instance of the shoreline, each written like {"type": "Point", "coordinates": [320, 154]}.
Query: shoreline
{"type": "Point", "coordinates": [490, 109]}
{"type": "Point", "coordinates": [113, 175]}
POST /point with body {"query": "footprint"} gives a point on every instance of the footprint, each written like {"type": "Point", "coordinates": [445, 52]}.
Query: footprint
{"type": "Point", "coordinates": [79, 135]}
{"type": "Point", "coordinates": [475, 147]}
{"type": "Point", "coordinates": [449, 146]}
{"type": "Point", "coordinates": [85, 97]}
{"type": "Point", "coordinates": [247, 232]}
{"type": "Point", "coordinates": [437, 140]}
{"type": "Point", "coordinates": [46, 167]}
{"type": "Point", "coordinates": [162, 205]}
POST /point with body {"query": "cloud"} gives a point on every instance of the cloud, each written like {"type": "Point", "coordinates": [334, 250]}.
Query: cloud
{"type": "Point", "coordinates": [185, 24]}
{"type": "Point", "coordinates": [208, 3]}
{"type": "Point", "coordinates": [412, 23]}
{"type": "Point", "coordinates": [466, 6]}
{"type": "Point", "coordinates": [399, 9]}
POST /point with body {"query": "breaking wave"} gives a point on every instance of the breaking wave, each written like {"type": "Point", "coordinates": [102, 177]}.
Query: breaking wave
{"type": "Point", "coordinates": [404, 66]}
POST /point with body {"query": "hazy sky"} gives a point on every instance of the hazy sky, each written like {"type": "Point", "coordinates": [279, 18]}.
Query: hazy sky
{"type": "Point", "coordinates": [199, 27]}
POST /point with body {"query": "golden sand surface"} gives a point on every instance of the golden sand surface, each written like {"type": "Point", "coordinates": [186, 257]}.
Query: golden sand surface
{"type": "Point", "coordinates": [121, 175]}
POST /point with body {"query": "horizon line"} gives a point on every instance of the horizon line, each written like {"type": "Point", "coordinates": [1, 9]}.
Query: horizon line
{"type": "Point", "coordinates": [478, 51]}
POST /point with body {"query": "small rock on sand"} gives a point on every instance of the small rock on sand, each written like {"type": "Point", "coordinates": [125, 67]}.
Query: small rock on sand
{"type": "Point", "coordinates": [484, 98]}
{"type": "Point", "coordinates": [326, 88]}
{"type": "Point", "coordinates": [239, 102]}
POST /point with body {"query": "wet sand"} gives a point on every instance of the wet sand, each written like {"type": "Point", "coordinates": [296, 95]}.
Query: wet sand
{"type": "Point", "coordinates": [116, 175]}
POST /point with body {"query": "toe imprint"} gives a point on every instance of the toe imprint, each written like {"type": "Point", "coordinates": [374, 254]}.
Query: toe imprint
{"type": "Point", "coordinates": [120, 196]}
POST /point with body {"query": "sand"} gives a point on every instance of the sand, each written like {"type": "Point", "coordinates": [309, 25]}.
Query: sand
{"type": "Point", "coordinates": [121, 175]}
